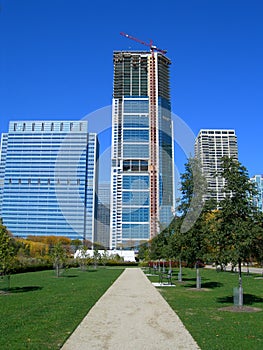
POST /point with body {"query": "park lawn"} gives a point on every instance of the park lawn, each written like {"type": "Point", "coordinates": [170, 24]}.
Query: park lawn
{"type": "Point", "coordinates": [199, 310]}
{"type": "Point", "coordinates": [40, 311]}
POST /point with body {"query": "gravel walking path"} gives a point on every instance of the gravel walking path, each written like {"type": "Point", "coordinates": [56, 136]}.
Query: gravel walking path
{"type": "Point", "coordinates": [131, 315]}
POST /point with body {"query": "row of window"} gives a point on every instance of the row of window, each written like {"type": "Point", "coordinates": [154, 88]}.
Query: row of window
{"type": "Point", "coordinates": [46, 140]}
{"type": "Point", "coordinates": [134, 150]}
{"type": "Point", "coordinates": [135, 165]}
{"type": "Point", "coordinates": [135, 182]}
{"type": "Point", "coordinates": [136, 135]}
{"type": "Point", "coordinates": [135, 231]}
{"type": "Point", "coordinates": [135, 121]}
{"type": "Point", "coordinates": [45, 182]}
{"type": "Point", "coordinates": [52, 126]}
{"type": "Point", "coordinates": [136, 106]}
{"type": "Point", "coordinates": [137, 198]}
{"type": "Point", "coordinates": [135, 215]}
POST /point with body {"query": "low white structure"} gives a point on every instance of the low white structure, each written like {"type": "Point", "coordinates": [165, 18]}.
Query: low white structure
{"type": "Point", "coordinates": [127, 255]}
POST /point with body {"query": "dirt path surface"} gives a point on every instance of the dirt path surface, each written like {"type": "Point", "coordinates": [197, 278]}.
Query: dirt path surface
{"type": "Point", "coordinates": [131, 315]}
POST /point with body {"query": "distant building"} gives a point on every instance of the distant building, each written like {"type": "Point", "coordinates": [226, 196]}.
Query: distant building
{"type": "Point", "coordinates": [2, 167]}
{"type": "Point", "coordinates": [126, 255]}
{"type": "Point", "coordinates": [210, 146]}
{"type": "Point", "coordinates": [103, 215]}
{"type": "Point", "coordinates": [258, 200]}
{"type": "Point", "coordinates": [142, 148]}
{"type": "Point", "coordinates": [49, 179]}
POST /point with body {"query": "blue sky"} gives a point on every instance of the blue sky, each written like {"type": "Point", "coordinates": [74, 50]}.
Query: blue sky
{"type": "Point", "coordinates": [56, 61]}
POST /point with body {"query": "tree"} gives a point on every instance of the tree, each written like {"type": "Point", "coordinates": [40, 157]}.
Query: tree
{"type": "Point", "coordinates": [190, 230]}
{"type": "Point", "coordinates": [237, 229]}
{"type": "Point", "coordinates": [96, 257]}
{"type": "Point", "coordinates": [177, 242]}
{"type": "Point", "coordinates": [58, 256]}
{"type": "Point", "coordinates": [7, 253]}
{"type": "Point", "coordinates": [83, 258]}
{"type": "Point", "coordinates": [76, 243]}
{"type": "Point", "coordinates": [143, 252]}
{"type": "Point", "coordinates": [104, 257]}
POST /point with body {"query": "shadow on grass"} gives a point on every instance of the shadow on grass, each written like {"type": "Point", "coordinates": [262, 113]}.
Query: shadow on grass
{"type": "Point", "coordinates": [68, 276]}
{"type": "Point", "coordinates": [248, 299]}
{"type": "Point", "coordinates": [212, 285]}
{"type": "Point", "coordinates": [208, 285]}
{"type": "Point", "coordinates": [14, 290]}
{"type": "Point", "coordinates": [189, 279]}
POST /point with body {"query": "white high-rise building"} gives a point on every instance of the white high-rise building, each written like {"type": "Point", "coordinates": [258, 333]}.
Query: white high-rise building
{"type": "Point", "coordinates": [142, 148]}
{"type": "Point", "coordinates": [210, 146]}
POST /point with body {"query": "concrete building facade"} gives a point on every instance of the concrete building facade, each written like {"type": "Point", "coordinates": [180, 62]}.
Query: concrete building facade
{"type": "Point", "coordinates": [210, 146]}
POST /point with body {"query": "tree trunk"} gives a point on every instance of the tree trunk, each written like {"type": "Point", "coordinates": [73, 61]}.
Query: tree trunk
{"type": "Point", "coordinates": [57, 270]}
{"type": "Point", "coordinates": [8, 282]}
{"type": "Point", "coordinates": [180, 271]}
{"type": "Point", "coordinates": [240, 288]}
{"type": "Point", "coordinates": [198, 278]}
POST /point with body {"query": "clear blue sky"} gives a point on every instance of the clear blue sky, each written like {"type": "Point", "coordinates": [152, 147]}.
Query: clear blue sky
{"type": "Point", "coordinates": [56, 60]}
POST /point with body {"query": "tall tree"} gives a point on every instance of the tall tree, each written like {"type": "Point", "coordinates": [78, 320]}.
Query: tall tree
{"type": "Point", "coordinates": [7, 253]}
{"type": "Point", "coordinates": [191, 237]}
{"type": "Point", "coordinates": [237, 229]}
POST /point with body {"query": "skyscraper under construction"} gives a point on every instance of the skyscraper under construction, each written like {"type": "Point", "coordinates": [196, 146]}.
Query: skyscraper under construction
{"type": "Point", "coordinates": [142, 148]}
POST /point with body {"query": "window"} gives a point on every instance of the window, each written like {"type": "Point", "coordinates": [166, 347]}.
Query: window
{"type": "Point", "coordinates": [132, 150]}
{"type": "Point", "coordinates": [135, 121]}
{"type": "Point", "coordinates": [135, 182]}
{"type": "Point", "coordinates": [135, 135]}
{"type": "Point", "coordinates": [135, 106]}
{"type": "Point", "coordinates": [135, 165]}
{"type": "Point", "coordinates": [139, 231]}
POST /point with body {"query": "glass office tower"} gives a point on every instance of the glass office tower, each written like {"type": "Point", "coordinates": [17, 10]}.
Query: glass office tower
{"type": "Point", "coordinates": [142, 148]}
{"type": "Point", "coordinates": [103, 215]}
{"type": "Point", "coordinates": [49, 179]}
{"type": "Point", "coordinates": [258, 199]}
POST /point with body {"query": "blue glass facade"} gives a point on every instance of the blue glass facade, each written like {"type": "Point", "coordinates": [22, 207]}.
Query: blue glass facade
{"type": "Point", "coordinates": [258, 199]}
{"type": "Point", "coordinates": [49, 170]}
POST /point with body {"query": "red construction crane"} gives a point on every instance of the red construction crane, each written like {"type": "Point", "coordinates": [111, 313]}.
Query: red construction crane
{"type": "Point", "coordinates": [150, 44]}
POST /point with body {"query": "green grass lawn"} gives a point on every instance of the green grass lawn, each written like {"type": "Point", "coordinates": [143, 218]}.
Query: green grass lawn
{"type": "Point", "coordinates": [211, 327]}
{"type": "Point", "coordinates": [41, 311]}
